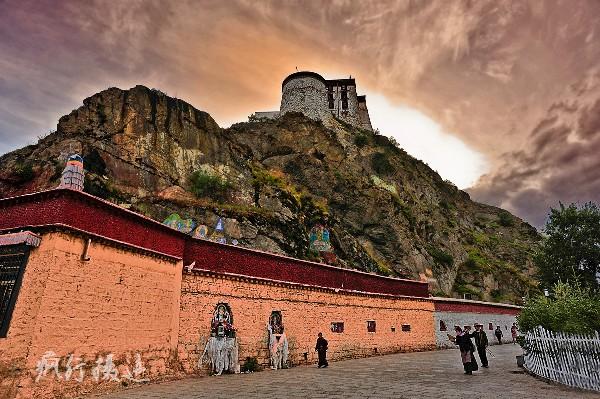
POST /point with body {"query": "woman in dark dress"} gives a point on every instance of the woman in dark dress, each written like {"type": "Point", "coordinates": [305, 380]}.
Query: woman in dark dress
{"type": "Point", "coordinates": [466, 350]}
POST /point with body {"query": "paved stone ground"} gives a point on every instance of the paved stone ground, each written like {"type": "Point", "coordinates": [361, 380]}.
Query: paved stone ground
{"type": "Point", "coordinates": [435, 374]}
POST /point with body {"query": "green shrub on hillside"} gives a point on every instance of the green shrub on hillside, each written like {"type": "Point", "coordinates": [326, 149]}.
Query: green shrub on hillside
{"type": "Point", "coordinates": [570, 308]}
{"type": "Point", "coordinates": [381, 164]}
{"type": "Point", "coordinates": [441, 257]}
{"type": "Point", "coordinates": [23, 172]}
{"type": "Point", "coordinates": [505, 219]}
{"type": "Point", "coordinates": [203, 184]}
{"type": "Point", "coordinates": [361, 140]}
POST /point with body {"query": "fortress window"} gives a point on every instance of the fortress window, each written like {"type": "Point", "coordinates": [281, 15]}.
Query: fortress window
{"type": "Point", "coordinates": [337, 327]}
{"type": "Point", "coordinates": [330, 97]}
{"type": "Point", "coordinates": [406, 327]}
{"type": "Point", "coordinates": [371, 326]}
{"type": "Point", "coordinates": [344, 96]}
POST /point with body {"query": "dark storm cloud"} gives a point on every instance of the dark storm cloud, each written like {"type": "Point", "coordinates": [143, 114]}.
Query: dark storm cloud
{"type": "Point", "coordinates": [487, 71]}
{"type": "Point", "coordinates": [589, 123]}
{"type": "Point", "coordinates": [560, 162]}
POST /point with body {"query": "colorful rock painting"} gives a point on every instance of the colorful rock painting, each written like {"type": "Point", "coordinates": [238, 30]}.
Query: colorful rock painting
{"type": "Point", "coordinates": [220, 227]}
{"type": "Point", "coordinates": [319, 239]}
{"type": "Point", "coordinates": [188, 226]}
{"type": "Point", "coordinates": [218, 235]}
{"type": "Point", "coordinates": [201, 232]}
{"type": "Point", "coordinates": [176, 222]}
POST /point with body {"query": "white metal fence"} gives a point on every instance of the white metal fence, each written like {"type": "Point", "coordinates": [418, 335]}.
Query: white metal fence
{"type": "Point", "coordinates": [569, 359]}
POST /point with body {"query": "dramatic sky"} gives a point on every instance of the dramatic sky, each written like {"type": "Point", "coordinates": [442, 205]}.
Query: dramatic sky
{"type": "Point", "coordinates": [500, 97]}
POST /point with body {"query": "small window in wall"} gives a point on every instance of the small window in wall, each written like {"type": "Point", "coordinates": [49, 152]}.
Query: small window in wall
{"type": "Point", "coordinates": [490, 326]}
{"type": "Point", "coordinates": [330, 100]}
{"type": "Point", "coordinates": [406, 327]}
{"type": "Point", "coordinates": [12, 265]}
{"type": "Point", "coordinates": [371, 326]}
{"type": "Point", "coordinates": [393, 329]}
{"type": "Point", "coordinates": [344, 104]}
{"type": "Point", "coordinates": [443, 326]}
{"type": "Point", "coordinates": [337, 327]}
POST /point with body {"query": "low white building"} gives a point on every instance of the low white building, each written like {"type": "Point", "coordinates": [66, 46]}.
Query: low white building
{"type": "Point", "coordinates": [450, 312]}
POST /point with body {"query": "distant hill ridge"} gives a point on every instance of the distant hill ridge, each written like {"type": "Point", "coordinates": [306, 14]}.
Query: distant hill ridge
{"type": "Point", "coordinates": [273, 180]}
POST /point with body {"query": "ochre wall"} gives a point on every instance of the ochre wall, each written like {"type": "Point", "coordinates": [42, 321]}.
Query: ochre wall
{"type": "Point", "coordinates": [124, 301]}
{"type": "Point", "coordinates": [118, 302]}
{"type": "Point", "coordinates": [306, 312]}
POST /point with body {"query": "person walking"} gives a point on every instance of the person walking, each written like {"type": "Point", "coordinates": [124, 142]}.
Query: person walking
{"type": "Point", "coordinates": [474, 364]}
{"type": "Point", "coordinates": [321, 349]}
{"type": "Point", "coordinates": [513, 333]}
{"type": "Point", "coordinates": [481, 343]}
{"type": "Point", "coordinates": [498, 334]}
{"type": "Point", "coordinates": [466, 350]}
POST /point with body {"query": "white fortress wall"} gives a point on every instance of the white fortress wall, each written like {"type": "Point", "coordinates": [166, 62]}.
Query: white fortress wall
{"type": "Point", "coordinates": [462, 319]}
{"type": "Point", "coordinates": [305, 94]}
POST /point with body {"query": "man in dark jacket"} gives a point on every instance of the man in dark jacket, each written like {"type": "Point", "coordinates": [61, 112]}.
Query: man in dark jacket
{"type": "Point", "coordinates": [481, 342]}
{"type": "Point", "coordinates": [498, 334]}
{"type": "Point", "coordinates": [321, 349]}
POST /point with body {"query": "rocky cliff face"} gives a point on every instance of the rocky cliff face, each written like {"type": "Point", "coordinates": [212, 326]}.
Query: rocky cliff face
{"type": "Point", "coordinates": [272, 181]}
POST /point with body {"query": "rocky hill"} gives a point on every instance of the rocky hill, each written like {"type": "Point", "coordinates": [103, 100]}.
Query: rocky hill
{"type": "Point", "coordinates": [272, 181]}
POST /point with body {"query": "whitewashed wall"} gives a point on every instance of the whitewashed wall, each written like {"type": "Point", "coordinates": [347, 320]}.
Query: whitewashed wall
{"type": "Point", "coordinates": [350, 115]}
{"type": "Point", "coordinates": [452, 319]}
{"type": "Point", "coordinates": [363, 116]}
{"type": "Point", "coordinates": [307, 95]}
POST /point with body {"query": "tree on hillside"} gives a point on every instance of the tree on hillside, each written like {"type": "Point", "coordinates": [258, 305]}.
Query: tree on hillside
{"type": "Point", "coordinates": [570, 309]}
{"type": "Point", "coordinates": [571, 249]}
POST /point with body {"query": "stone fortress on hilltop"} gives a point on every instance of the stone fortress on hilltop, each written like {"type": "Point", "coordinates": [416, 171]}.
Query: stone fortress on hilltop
{"type": "Point", "coordinates": [321, 99]}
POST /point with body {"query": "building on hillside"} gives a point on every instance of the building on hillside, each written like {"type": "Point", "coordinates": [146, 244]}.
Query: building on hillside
{"type": "Point", "coordinates": [321, 99]}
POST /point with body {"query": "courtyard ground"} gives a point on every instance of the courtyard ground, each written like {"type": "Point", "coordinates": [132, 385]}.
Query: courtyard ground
{"type": "Point", "coordinates": [436, 374]}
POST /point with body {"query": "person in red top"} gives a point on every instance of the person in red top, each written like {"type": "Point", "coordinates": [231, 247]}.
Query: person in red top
{"type": "Point", "coordinates": [513, 332]}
